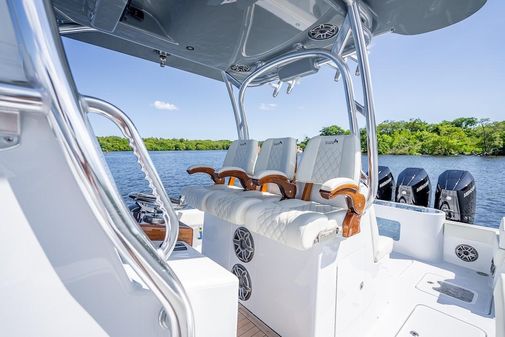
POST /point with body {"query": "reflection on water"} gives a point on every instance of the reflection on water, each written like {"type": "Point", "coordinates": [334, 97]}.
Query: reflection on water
{"type": "Point", "coordinates": [487, 171]}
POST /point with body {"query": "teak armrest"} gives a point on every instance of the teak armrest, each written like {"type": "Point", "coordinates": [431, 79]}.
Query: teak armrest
{"type": "Point", "coordinates": [158, 232]}
{"type": "Point", "coordinates": [207, 170]}
{"type": "Point", "coordinates": [286, 187]}
{"type": "Point", "coordinates": [238, 173]}
{"type": "Point", "coordinates": [355, 201]}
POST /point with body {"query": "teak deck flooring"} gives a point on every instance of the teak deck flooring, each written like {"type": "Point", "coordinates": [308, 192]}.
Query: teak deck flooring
{"type": "Point", "coordinates": [250, 326]}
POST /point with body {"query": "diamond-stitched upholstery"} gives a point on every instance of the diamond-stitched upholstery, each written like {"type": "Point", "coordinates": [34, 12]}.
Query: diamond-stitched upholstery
{"type": "Point", "coordinates": [196, 196]}
{"type": "Point", "coordinates": [241, 153]}
{"type": "Point", "coordinates": [229, 206]}
{"type": "Point", "coordinates": [327, 157]}
{"type": "Point", "coordinates": [291, 226]}
{"type": "Point", "coordinates": [295, 222]}
{"type": "Point", "coordinates": [275, 154]}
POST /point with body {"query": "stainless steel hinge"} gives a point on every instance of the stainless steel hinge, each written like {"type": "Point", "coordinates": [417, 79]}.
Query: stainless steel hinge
{"type": "Point", "coordinates": [10, 129]}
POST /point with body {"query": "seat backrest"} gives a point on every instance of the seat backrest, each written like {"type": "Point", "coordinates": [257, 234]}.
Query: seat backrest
{"type": "Point", "coordinates": [328, 157]}
{"type": "Point", "coordinates": [243, 154]}
{"type": "Point", "coordinates": [277, 154]}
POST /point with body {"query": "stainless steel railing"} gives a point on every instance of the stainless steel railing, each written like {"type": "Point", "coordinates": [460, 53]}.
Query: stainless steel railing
{"type": "Point", "coordinates": [121, 120]}
{"type": "Point", "coordinates": [353, 12]}
{"type": "Point", "coordinates": [47, 70]}
{"type": "Point", "coordinates": [293, 56]}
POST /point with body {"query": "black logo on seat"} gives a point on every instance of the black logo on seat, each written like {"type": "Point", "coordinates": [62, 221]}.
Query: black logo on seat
{"type": "Point", "coordinates": [332, 141]}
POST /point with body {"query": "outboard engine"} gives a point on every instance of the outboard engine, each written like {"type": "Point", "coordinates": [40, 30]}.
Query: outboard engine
{"type": "Point", "coordinates": [456, 195]}
{"type": "Point", "coordinates": [413, 187]}
{"type": "Point", "coordinates": [386, 184]}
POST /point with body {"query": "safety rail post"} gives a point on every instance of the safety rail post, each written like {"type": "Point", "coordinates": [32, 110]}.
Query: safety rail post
{"type": "Point", "coordinates": [353, 12]}
{"type": "Point", "coordinates": [236, 112]}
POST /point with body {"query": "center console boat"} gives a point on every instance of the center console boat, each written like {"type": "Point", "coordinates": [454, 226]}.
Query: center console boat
{"type": "Point", "coordinates": [292, 243]}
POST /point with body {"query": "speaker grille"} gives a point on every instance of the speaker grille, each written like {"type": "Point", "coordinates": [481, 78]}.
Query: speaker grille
{"type": "Point", "coordinates": [323, 31]}
{"type": "Point", "coordinates": [244, 282]}
{"type": "Point", "coordinates": [466, 253]}
{"type": "Point", "coordinates": [240, 68]}
{"type": "Point", "coordinates": [243, 244]}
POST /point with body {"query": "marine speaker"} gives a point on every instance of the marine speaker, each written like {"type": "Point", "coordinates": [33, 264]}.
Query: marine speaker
{"type": "Point", "coordinates": [243, 244]}
{"type": "Point", "coordinates": [323, 31]}
{"type": "Point", "coordinates": [240, 68]}
{"type": "Point", "coordinates": [244, 282]}
{"type": "Point", "coordinates": [466, 253]}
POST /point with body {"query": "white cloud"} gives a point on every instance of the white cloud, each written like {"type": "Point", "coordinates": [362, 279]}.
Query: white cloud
{"type": "Point", "coordinates": [160, 105]}
{"type": "Point", "coordinates": [268, 106]}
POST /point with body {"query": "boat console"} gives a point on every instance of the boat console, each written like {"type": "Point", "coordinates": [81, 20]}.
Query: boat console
{"type": "Point", "coordinates": [293, 245]}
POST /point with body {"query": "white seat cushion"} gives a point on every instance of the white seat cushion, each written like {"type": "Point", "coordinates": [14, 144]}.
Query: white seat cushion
{"type": "Point", "coordinates": [294, 228]}
{"type": "Point", "coordinates": [276, 154]}
{"type": "Point", "coordinates": [232, 207]}
{"type": "Point", "coordinates": [196, 196]}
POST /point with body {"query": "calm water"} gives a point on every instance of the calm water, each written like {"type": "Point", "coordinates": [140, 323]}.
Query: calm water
{"type": "Point", "coordinates": [171, 165]}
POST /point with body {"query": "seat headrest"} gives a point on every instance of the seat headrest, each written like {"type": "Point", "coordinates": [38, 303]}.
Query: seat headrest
{"type": "Point", "coordinates": [243, 154]}
{"type": "Point", "coordinates": [277, 154]}
{"type": "Point", "coordinates": [325, 158]}
{"type": "Point", "coordinates": [328, 157]}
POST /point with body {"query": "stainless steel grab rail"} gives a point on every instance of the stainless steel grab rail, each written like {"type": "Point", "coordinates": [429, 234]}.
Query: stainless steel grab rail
{"type": "Point", "coordinates": [129, 130]}
{"type": "Point", "coordinates": [353, 12]}
{"type": "Point", "coordinates": [293, 56]}
{"type": "Point", "coordinates": [47, 70]}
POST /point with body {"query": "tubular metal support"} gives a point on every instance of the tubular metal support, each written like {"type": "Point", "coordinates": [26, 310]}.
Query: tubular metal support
{"type": "Point", "coordinates": [362, 54]}
{"type": "Point", "coordinates": [72, 28]}
{"type": "Point", "coordinates": [236, 114]}
{"type": "Point", "coordinates": [342, 37]}
{"type": "Point", "coordinates": [300, 54]}
{"type": "Point", "coordinates": [20, 98]}
{"type": "Point", "coordinates": [129, 130]}
{"type": "Point", "coordinates": [47, 68]}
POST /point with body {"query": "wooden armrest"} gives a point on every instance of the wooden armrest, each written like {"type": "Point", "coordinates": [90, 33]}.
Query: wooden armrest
{"type": "Point", "coordinates": [157, 232]}
{"type": "Point", "coordinates": [242, 176]}
{"type": "Point", "coordinates": [286, 187]}
{"type": "Point", "coordinates": [207, 170]}
{"type": "Point", "coordinates": [355, 203]}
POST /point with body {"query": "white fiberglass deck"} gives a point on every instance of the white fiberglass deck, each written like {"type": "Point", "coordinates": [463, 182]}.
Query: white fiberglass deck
{"type": "Point", "coordinates": [415, 308]}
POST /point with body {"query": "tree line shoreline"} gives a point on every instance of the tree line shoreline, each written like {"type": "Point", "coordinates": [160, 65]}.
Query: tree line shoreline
{"type": "Point", "coordinates": [461, 136]}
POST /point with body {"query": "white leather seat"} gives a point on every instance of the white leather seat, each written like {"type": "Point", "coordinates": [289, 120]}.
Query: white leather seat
{"type": "Point", "coordinates": [298, 223]}
{"type": "Point", "coordinates": [241, 154]}
{"type": "Point", "coordinates": [297, 227]}
{"type": "Point", "coordinates": [277, 156]}
{"type": "Point", "coordinates": [196, 196]}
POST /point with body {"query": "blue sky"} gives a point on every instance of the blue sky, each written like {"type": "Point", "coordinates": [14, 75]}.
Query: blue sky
{"type": "Point", "coordinates": [453, 72]}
